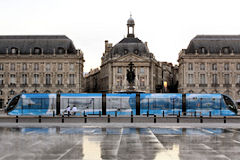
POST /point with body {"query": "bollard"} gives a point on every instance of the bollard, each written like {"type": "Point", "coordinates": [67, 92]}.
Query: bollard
{"type": "Point", "coordinates": [225, 119]}
{"type": "Point", "coordinates": [210, 114]}
{"type": "Point", "coordinates": [16, 119]}
{"type": "Point", "coordinates": [108, 118]}
{"type": "Point", "coordinates": [147, 113]}
{"type": "Point", "coordinates": [163, 113]}
{"type": "Point", "coordinates": [53, 114]}
{"type": "Point", "coordinates": [155, 119]}
{"type": "Point", "coordinates": [131, 118]}
{"type": "Point", "coordinates": [177, 119]}
{"type": "Point", "coordinates": [99, 113]}
{"type": "Point", "coordinates": [68, 113]}
{"type": "Point", "coordinates": [39, 119]}
{"type": "Point", "coordinates": [115, 113]}
{"type": "Point", "coordinates": [62, 118]}
{"type": "Point", "coordinates": [201, 119]}
{"type": "Point", "coordinates": [85, 118]}
{"type": "Point", "coordinates": [195, 114]}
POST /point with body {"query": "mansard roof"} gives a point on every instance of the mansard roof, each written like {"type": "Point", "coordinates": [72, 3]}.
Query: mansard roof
{"type": "Point", "coordinates": [25, 43]}
{"type": "Point", "coordinates": [214, 43]}
{"type": "Point", "coordinates": [130, 45]}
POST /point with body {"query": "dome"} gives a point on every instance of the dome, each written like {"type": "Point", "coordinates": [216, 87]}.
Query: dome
{"type": "Point", "coordinates": [130, 45]}
{"type": "Point", "coordinates": [130, 21]}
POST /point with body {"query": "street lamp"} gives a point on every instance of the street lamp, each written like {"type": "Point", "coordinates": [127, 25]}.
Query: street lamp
{"type": "Point", "coordinates": [165, 85]}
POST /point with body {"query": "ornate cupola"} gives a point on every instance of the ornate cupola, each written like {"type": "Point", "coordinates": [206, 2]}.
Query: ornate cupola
{"type": "Point", "coordinates": [130, 26]}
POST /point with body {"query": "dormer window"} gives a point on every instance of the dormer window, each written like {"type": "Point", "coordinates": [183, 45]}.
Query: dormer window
{"type": "Point", "coordinates": [136, 51]}
{"type": "Point", "coordinates": [14, 50]}
{"type": "Point", "coordinates": [226, 50]}
{"type": "Point", "coordinates": [61, 50]}
{"type": "Point", "coordinates": [37, 50]}
{"type": "Point", "coordinates": [203, 50]}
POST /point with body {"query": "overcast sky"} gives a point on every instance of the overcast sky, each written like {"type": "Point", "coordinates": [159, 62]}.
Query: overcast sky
{"type": "Point", "coordinates": [167, 25]}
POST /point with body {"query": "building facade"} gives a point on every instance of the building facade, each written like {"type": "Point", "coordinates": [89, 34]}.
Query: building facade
{"type": "Point", "coordinates": [112, 76]}
{"type": "Point", "coordinates": [39, 64]}
{"type": "Point", "coordinates": [211, 64]}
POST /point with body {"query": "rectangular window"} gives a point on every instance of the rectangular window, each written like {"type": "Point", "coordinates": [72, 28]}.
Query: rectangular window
{"type": "Point", "coordinates": [36, 66]}
{"type": "Point", "coordinates": [190, 66]}
{"type": "Point", "coordinates": [238, 66]}
{"type": "Point", "coordinates": [238, 78]}
{"type": "Point", "coordinates": [141, 70]}
{"type": "Point", "coordinates": [142, 81]}
{"type": "Point", "coordinates": [226, 66]}
{"type": "Point", "coordinates": [48, 79]}
{"type": "Point", "coordinates": [59, 66]}
{"type": "Point", "coordinates": [71, 67]}
{"type": "Point", "coordinates": [202, 66]}
{"type": "Point", "coordinates": [24, 66]}
{"type": "Point", "coordinates": [48, 67]}
{"type": "Point", "coordinates": [12, 67]}
{"type": "Point", "coordinates": [12, 79]}
{"type": "Point", "coordinates": [1, 67]}
{"type": "Point", "coordinates": [202, 79]}
{"type": "Point", "coordinates": [36, 79]}
{"type": "Point", "coordinates": [226, 79]}
{"type": "Point", "coordinates": [59, 79]}
{"type": "Point", "coordinates": [214, 66]}
{"type": "Point", "coordinates": [190, 78]}
{"type": "Point", "coordinates": [71, 79]}
{"type": "Point", "coordinates": [214, 79]}
{"type": "Point", "coordinates": [119, 81]}
{"type": "Point", "coordinates": [119, 70]}
{"type": "Point", "coordinates": [1, 79]}
{"type": "Point", "coordinates": [24, 79]}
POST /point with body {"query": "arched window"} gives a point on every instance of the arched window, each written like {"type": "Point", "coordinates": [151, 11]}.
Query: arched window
{"type": "Point", "coordinates": [202, 50]}
{"type": "Point", "coordinates": [71, 91]}
{"type": "Point", "coordinates": [37, 50]}
{"type": "Point", "coordinates": [215, 91]}
{"type": "Point", "coordinates": [191, 91]}
{"type": "Point", "coordinates": [136, 51]}
{"type": "Point", "coordinates": [226, 50]}
{"type": "Point", "coordinates": [47, 91]}
{"type": "Point", "coordinates": [14, 50]}
{"type": "Point", "coordinates": [203, 91]}
{"type": "Point", "coordinates": [61, 50]}
{"type": "Point", "coordinates": [227, 92]}
{"type": "Point", "coordinates": [125, 51]}
{"type": "Point", "coordinates": [12, 92]}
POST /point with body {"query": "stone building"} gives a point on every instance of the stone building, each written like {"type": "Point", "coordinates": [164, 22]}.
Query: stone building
{"type": "Point", "coordinates": [115, 62]}
{"type": "Point", "coordinates": [39, 64]}
{"type": "Point", "coordinates": [211, 64]}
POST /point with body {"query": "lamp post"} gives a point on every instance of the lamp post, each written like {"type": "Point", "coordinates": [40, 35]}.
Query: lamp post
{"type": "Point", "coordinates": [165, 85]}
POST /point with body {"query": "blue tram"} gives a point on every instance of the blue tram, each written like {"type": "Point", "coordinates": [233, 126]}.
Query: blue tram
{"type": "Point", "coordinates": [123, 104]}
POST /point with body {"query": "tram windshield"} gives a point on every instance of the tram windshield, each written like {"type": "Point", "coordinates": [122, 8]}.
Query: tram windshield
{"type": "Point", "coordinates": [230, 104]}
{"type": "Point", "coordinates": [12, 104]}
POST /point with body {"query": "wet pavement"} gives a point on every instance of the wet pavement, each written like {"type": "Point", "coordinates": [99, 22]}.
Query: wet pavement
{"type": "Point", "coordinates": [119, 143]}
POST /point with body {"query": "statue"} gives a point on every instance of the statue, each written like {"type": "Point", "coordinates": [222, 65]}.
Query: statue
{"type": "Point", "coordinates": [131, 74]}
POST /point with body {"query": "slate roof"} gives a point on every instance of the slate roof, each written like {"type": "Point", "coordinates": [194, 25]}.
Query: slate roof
{"type": "Point", "coordinates": [214, 43]}
{"type": "Point", "coordinates": [26, 42]}
{"type": "Point", "coordinates": [132, 45]}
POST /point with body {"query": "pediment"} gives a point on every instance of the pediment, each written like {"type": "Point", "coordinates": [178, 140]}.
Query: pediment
{"type": "Point", "coordinates": [131, 58]}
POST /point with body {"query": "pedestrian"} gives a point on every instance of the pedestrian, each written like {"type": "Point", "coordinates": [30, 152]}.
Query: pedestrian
{"type": "Point", "coordinates": [68, 109]}
{"type": "Point", "coordinates": [74, 110]}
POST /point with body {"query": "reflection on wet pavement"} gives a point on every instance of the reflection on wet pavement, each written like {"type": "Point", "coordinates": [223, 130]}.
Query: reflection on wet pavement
{"type": "Point", "coordinates": [119, 143]}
